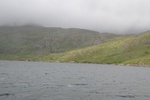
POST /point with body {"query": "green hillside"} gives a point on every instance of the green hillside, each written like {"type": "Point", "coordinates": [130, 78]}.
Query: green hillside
{"type": "Point", "coordinates": [133, 50]}
{"type": "Point", "coordinates": [36, 40]}
{"type": "Point", "coordinates": [73, 45]}
{"type": "Point", "coordinates": [42, 40]}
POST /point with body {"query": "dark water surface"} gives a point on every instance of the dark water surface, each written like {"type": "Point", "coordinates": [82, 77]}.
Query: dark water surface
{"type": "Point", "coordinates": [63, 81]}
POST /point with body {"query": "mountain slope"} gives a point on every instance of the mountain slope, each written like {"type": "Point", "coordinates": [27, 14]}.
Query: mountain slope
{"type": "Point", "coordinates": [73, 45]}
{"type": "Point", "coordinates": [134, 50]}
{"type": "Point", "coordinates": [26, 40]}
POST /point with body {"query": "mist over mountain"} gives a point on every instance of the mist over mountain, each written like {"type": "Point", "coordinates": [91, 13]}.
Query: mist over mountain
{"type": "Point", "coordinates": [117, 16]}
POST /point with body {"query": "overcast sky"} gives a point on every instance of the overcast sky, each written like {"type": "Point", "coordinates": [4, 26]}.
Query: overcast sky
{"type": "Point", "coordinates": [117, 16]}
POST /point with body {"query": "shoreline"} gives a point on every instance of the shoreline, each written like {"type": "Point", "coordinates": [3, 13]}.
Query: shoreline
{"type": "Point", "coordinates": [73, 62]}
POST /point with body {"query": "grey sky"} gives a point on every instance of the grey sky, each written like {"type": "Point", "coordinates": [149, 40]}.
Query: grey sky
{"type": "Point", "coordinates": [117, 16]}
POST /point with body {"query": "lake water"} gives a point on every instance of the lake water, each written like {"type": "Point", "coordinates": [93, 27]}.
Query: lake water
{"type": "Point", "coordinates": [20, 80]}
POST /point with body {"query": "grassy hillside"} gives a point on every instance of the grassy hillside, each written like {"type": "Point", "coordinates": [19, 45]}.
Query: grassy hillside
{"type": "Point", "coordinates": [73, 45]}
{"type": "Point", "coordinates": [27, 40]}
{"type": "Point", "coordinates": [133, 50]}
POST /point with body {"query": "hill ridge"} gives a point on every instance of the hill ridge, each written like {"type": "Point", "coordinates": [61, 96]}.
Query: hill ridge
{"type": "Point", "coordinates": [74, 45]}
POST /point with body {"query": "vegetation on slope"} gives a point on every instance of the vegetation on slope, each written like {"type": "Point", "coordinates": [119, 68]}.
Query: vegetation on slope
{"type": "Point", "coordinates": [74, 45]}
{"type": "Point", "coordinates": [28, 40]}
{"type": "Point", "coordinates": [133, 50]}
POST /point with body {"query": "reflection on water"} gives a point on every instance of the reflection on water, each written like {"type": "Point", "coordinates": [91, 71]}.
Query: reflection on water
{"type": "Point", "coordinates": [64, 81]}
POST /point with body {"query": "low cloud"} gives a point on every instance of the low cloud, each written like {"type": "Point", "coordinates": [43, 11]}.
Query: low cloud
{"type": "Point", "coordinates": [115, 16]}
